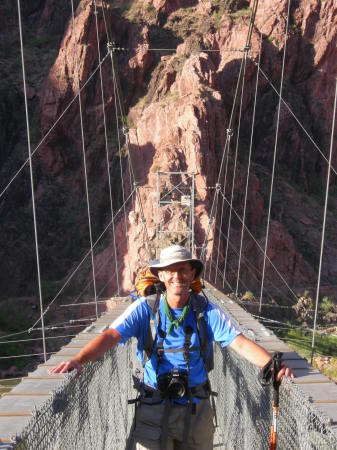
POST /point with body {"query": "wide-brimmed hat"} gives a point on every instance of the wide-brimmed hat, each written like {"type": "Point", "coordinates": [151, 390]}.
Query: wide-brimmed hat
{"type": "Point", "coordinates": [175, 254]}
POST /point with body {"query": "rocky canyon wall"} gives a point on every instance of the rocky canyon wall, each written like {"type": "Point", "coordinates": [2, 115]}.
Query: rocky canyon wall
{"type": "Point", "coordinates": [178, 105]}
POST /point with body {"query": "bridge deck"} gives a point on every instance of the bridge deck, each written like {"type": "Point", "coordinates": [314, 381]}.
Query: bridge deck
{"type": "Point", "coordinates": [17, 406]}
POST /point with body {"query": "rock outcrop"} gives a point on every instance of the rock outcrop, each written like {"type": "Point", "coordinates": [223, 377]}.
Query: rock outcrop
{"type": "Point", "coordinates": [183, 127]}
{"type": "Point", "coordinates": [178, 106]}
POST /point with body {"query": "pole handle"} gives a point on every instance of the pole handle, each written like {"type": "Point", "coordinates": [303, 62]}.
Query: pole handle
{"type": "Point", "coordinates": [268, 373]}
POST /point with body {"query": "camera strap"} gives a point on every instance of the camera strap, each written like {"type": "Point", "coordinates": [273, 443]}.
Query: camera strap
{"type": "Point", "coordinates": [160, 354]}
{"type": "Point", "coordinates": [188, 336]}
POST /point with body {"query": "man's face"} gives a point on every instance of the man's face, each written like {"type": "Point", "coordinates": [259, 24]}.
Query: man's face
{"type": "Point", "coordinates": [177, 278]}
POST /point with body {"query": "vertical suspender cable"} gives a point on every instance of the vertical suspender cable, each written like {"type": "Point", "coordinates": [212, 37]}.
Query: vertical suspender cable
{"type": "Point", "coordinates": [250, 155]}
{"type": "Point", "coordinates": [125, 129]}
{"type": "Point", "coordinates": [231, 122]}
{"type": "Point", "coordinates": [215, 214]}
{"type": "Point", "coordinates": [147, 237]}
{"type": "Point", "coordinates": [235, 159]}
{"type": "Point", "coordinates": [203, 253]}
{"type": "Point", "coordinates": [107, 150]}
{"type": "Point", "coordinates": [84, 156]}
{"type": "Point", "coordinates": [274, 159]}
{"type": "Point", "coordinates": [192, 216]}
{"type": "Point", "coordinates": [324, 223]}
{"type": "Point", "coordinates": [120, 162]}
{"type": "Point", "coordinates": [158, 217]}
{"type": "Point", "coordinates": [229, 136]}
{"type": "Point", "coordinates": [130, 163]}
{"type": "Point", "coordinates": [32, 182]}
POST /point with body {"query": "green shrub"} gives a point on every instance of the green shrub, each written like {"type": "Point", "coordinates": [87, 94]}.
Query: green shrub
{"type": "Point", "coordinates": [248, 295]}
{"type": "Point", "coordinates": [327, 305]}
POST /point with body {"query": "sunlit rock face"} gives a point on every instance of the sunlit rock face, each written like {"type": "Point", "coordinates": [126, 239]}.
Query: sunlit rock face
{"type": "Point", "coordinates": [180, 123]}
{"type": "Point", "coordinates": [178, 106]}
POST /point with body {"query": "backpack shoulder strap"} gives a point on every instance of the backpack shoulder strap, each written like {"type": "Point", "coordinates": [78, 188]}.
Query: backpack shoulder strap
{"type": "Point", "coordinates": [199, 304]}
{"type": "Point", "coordinates": [152, 302]}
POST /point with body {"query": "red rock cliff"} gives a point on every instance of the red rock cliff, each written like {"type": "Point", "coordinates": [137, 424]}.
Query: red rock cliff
{"type": "Point", "coordinates": [180, 123]}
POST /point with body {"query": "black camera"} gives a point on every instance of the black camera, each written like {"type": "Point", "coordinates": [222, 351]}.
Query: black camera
{"type": "Point", "coordinates": [173, 384]}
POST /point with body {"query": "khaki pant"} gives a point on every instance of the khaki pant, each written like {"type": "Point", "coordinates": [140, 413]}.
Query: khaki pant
{"type": "Point", "coordinates": [149, 419]}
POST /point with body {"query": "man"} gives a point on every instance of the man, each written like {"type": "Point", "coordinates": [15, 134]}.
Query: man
{"type": "Point", "coordinates": [174, 411]}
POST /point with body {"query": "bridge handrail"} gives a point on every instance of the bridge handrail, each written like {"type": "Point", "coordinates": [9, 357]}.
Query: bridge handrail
{"type": "Point", "coordinates": [92, 410]}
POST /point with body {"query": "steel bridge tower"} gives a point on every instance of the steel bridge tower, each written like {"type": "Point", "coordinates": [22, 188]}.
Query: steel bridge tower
{"type": "Point", "coordinates": [175, 210]}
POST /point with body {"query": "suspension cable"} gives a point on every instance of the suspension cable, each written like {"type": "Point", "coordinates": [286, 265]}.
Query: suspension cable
{"type": "Point", "coordinates": [37, 339]}
{"type": "Point", "coordinates": [105, 285]}
{"type": "Point", "coordinates": [31, 180]}
{"type": "Point", "coordinates": [229, 135]}
{"type": "Point", "coordinates": [227, 282]}
{"type": "Point", "coordinates": [106, 147]}
{"type": "Point", "coordinates": [62, 327]}
{"type": "Point", "coordinates": [115, 80]}
{"type": "Point", "coordinates": [250, 268]}
{"type": "Point", "coordinates": [213, 263]}
{"type": "Point", "coordinates": [125, 126]}
{"type": "Point", "coordinates": [261, 249]}
{"type": "Point", "coordinates": [27, 355]}
{"type": "Point", "coordinates": [274, 158]}
{"type": "Point", "coordinates": [32, 328]}
{"type": "Point", "coordinates": [79, 265]}
{"type": "Point", "coordinates": [250, 153]}
{"type": "Point", "coordinates": [90, 282]}
{"type": "Point", "coordinates": [72, 321]}
{"type": "Point", "coordinates": [202, 50]}
{"type": "Point", "coordinates": [211, 252]}
{"type": "Point", "coordinates": [218, 248]}
{"type": "Point", "coordinates": [324, 224]}
{"type": "Point", "coordinates": [84, 155]}
{"type": "Point", "coordinates": [296, 118]}
{"type": "Point", "coordinates": [233, 112]}
{"type": "Point", "coordinates": [68, 305]}
{"type": "Point", "coordinates": [121, 170]}
{"type": "Point", "coordinates": [241, 74]}
{"type": "Point", "coordinates": [235, 157]}
{"type": "Point", "coordinates": [23, 165]}
{"type": "Point", "coordinates": [210, 221]}
{"type": "Point", "coordinates": [272, 305]}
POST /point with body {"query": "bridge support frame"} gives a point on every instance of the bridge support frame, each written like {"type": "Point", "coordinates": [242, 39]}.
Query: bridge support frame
{"type": "Point", "coordinates": [175, 210]}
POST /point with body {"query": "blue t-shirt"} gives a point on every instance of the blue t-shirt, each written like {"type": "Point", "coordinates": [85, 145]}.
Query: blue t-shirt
{"type": "Point", "coordinates": [134, 322]}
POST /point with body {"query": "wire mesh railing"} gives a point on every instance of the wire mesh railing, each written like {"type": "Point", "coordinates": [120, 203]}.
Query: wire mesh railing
{"type": "Point", "coordinates": [86, 412]}
{"type": "Point", "coordinates": [244, 410]}
{"type": "Point", "coordinates": [92, 411]}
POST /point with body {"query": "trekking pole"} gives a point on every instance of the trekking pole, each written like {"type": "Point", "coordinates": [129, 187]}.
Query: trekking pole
{"type": "Point", "coordinates": [277, 364]}
{"type": "Point", "coordinates": [267, 376]}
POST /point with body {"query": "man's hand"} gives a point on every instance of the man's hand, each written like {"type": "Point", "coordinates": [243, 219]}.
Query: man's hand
{"type": "Point", "coordinates": [67, 366]}
{"type": "Point", "coordinates": [257, 355]}
{"type": "Point", "coordinates": [91, 351]}
{"type": "Point", "coordinates": [285, 371]}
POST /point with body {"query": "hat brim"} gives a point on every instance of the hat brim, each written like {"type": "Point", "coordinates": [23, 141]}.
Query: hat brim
{"type": "Point", "coordinates": [196, 264]}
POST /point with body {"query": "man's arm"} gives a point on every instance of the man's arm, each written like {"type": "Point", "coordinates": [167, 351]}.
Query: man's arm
{"type": "Point", "coordinates": [93, 350]}
{"type": "Point", "coordinates": [256, 354]}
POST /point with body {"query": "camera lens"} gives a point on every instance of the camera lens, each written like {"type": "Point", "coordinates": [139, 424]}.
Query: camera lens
{"type": "Point", "coordinates": [173, 384]}
{"type": "Point", "coordinates": [176, 389]}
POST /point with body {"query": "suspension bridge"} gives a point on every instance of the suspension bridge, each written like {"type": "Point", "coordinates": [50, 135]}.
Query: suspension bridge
{"type": "Point", "coordinates": [64, 411]}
